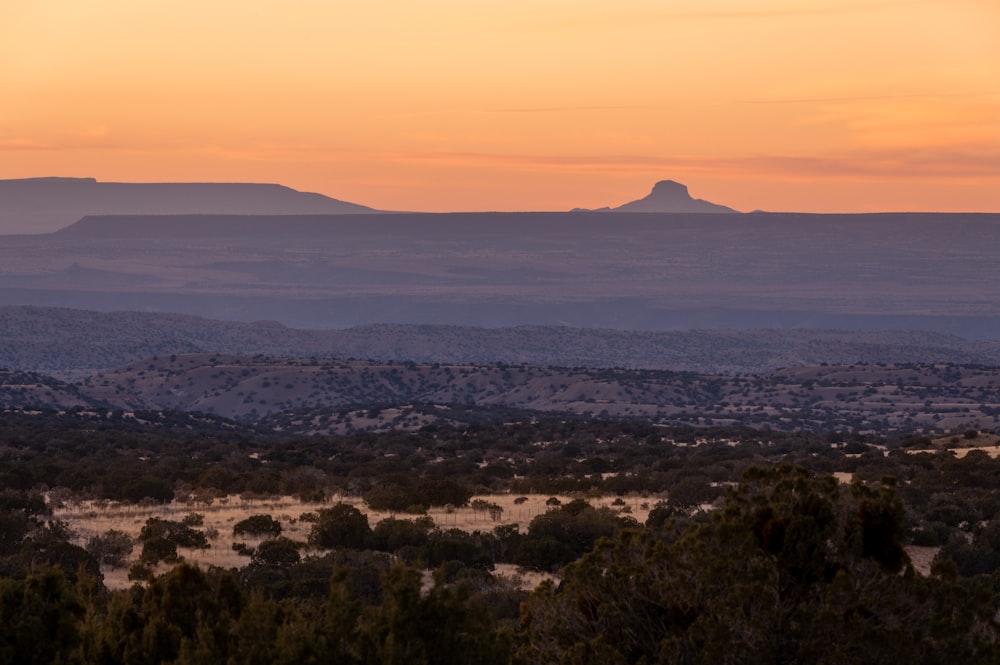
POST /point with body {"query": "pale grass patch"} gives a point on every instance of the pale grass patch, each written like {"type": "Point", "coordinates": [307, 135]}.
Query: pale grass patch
{"type": "Point", "coordinates": [921, 557]}
{"type": "Point", "coordinates": [90, 518]}
{"type": "Point", "coordinates": [993, 451]}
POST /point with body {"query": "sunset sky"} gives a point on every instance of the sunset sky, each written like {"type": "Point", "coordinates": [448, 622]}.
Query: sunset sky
{"type": "Point", "coordinates": [814, 105]}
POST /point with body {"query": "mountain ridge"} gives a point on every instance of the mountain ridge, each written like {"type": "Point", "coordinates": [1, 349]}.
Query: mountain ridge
{"type": "Point", "coordinates": [72, 342]}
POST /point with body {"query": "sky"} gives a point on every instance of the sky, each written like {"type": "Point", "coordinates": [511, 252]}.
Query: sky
{"type": "Point", "coordinates": [443, 105]}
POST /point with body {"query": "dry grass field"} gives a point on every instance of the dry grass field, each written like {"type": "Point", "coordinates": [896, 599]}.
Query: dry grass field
{"type": "Point", "coordinates": [90, 518]}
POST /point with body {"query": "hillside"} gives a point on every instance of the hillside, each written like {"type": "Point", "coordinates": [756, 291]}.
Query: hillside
{"type": "Point", "coordinates": [74, 343]}
{"type": "Point", "coordinates": [31, 390]}
{"type": "Point", "coordinates": [329, 396]}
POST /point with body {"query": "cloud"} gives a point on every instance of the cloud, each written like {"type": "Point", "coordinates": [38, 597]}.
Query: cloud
{"type": "Point", "coordinates": [560, 109]}
{"type": "Point", "coordinates": [724, 11]}
{"type": "Point", "coordinates": [914, 164]}
{"type": "Point", "coordinates": [837, 99]}
{"type": "Point", "coordinates": [88, 138]}
{"type": "Point", "coordinates": [12, 144]}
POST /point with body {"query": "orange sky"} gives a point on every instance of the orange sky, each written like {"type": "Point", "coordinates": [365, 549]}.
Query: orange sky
{"type": "Point", "coordinates": [820, 105]}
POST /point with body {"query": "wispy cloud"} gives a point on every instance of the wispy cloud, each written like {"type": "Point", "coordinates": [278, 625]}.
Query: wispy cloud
{"type": "Point", "coordinates": [563, 109]}
{"type": "Point", "coordinates": [24, 144]}
{"type": "Point", "coordinates": [790, 9]}
{"type": "Point", "coordinates": [893, 165]}
{"type": "Point", "coordinates": [837, 99]}
{"type": "Point", "coordinates": [582, 108]}
{"type": "Point", "coordinates": [87, 138]}
{"type": "Point", "coordinates": [913, 164]}
{"type": "Point", "coordinates": [706, 12]}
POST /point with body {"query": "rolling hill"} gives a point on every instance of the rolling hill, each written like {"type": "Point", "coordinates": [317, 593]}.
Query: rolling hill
{"type": "Point", "coordinates": [74, 343]}
{"type": "Point", "coordinates": [322, 396]}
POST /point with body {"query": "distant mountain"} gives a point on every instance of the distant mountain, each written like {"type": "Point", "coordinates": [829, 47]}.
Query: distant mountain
{"type": "Point", "coordinates": [626, 270]}
{"type": "Point", "coordinates": [43, 205]}
{"type": "Point", "coordinates": [668, 196]}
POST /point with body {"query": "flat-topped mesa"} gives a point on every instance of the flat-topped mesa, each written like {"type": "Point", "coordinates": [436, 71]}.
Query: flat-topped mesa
{"type": "Point", "coordinates": [44, 205]}
{"type": "Point", "coordinates": [672, 196]}
{"type": "Point", "coordinates": [248, 228]}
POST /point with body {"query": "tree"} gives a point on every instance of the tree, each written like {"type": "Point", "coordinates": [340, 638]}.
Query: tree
{"type": "Point", "coordinates": [979, 557]}
{"type": "Point", "coordinates": [258, 525]}
{"type": "Point", "coordinates": [144, 487]}
{"type": "Point", "coordinates": [392, 534]}
{"type": "Point", "coordinates": [442, 491]}
{"type": "Point", "coordinates": [790, 570]}
{"type": "Point", "coordinates": [446, 625]}
{"type": "Point", "coordinates": [111, 548]}
{"type": "Point", "coordinates": [157, 549]}
{"type": "Point", "coordinates": [394, 496]}
{"type": "Point", "coordinates": [342, 525]}
{"type": "Point", "coordinates": [563, 534]}
{"type": "Point", "coordinates": [458, 545]}
{"type": "Point", "coordinates": [174, 606]}
{"type": "Point", "coordinates": [281, 552]}
{"type": "Point", "coordinates": [178, 533]}
{"type": "Point", "coordinates": [40, 618]}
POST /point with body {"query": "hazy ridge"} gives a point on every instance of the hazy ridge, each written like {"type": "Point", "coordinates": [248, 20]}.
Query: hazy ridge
{"type": "Point", "coordinates": [628, 271]}
{"type": "Point", "coordinates": [75, 342]}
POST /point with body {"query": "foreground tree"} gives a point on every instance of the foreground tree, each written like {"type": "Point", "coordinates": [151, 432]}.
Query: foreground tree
{"type": "Point", "coordinates": [39, 618]}
{"type": "Point", "coordinates": [793, 569]}
{"type": "Point", "coordinates": [442, 625]}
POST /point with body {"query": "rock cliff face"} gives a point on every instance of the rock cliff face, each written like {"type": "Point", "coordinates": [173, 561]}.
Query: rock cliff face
{"type": "Point", "coordinates": [44, 205]}
{"type": "Point", "coordinates": [671, 196]}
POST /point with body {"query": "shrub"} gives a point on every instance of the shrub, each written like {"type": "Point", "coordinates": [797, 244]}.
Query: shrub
{"type": "Point", "coordinates": [140, 572]}
{"type": "Point", "coordinates": [158, 549]}
{"type": "Point", "coordinates": [258, 525]}
{"type": "Point", "coordinates": [280, 551]}
{"type": "Point", "coordinates": [391, 535]}
{"type": "Point", "coordinates": [344, 526]}
{"type": "Point", "coordinates": [112, 548]}
{"type": "Point", "coordinates": [176, 532]}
